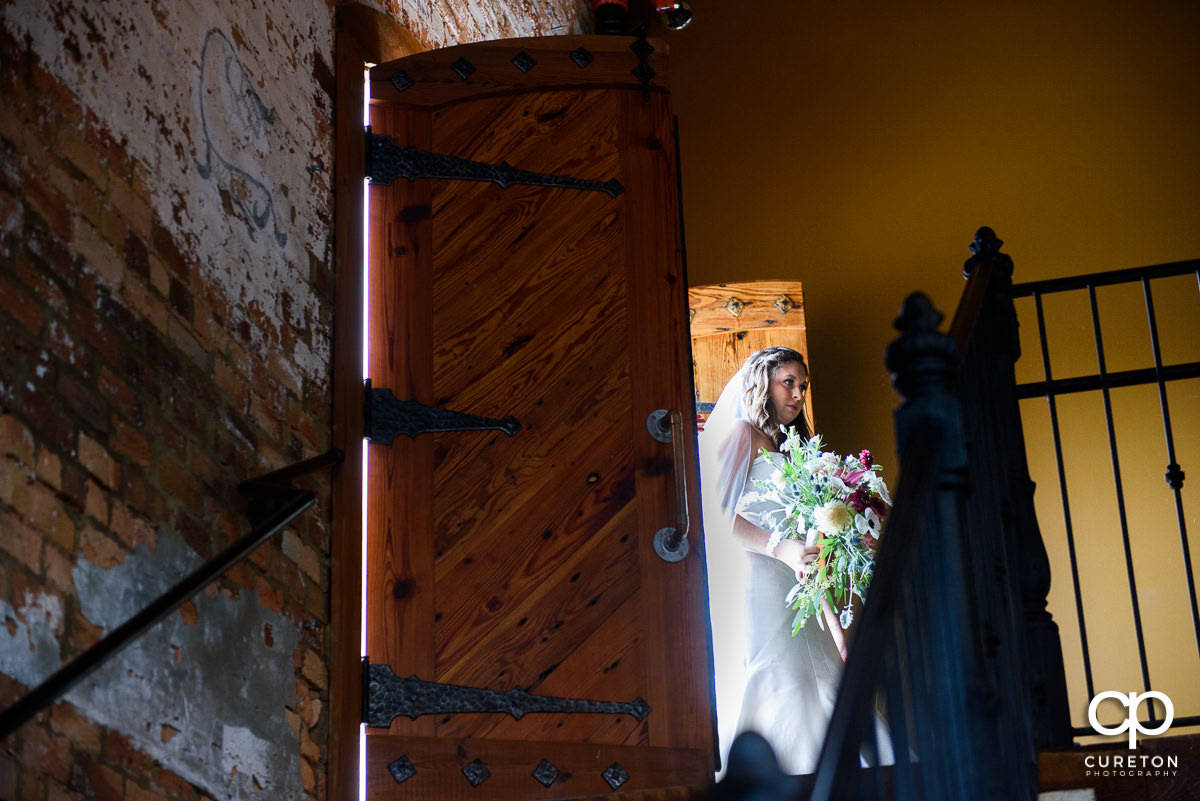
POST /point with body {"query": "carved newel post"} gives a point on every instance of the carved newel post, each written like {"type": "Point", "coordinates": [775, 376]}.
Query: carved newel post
{"type": "Point", "coordinates": [1012, 568]}
{"type": "Point", "coordinates": [924, 363]}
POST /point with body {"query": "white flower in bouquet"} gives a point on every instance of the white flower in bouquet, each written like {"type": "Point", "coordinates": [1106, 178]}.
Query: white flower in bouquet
{"type": "Point", "coordinates": [833, 517]}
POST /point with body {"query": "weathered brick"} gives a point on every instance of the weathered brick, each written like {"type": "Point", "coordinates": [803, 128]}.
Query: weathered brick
{"type": "Point", "coordinates": [268, 596]}
{"type": "Point", "coordinates": [133, 210]}
{"type": "Point", "coordinates": [96, 780]}
{"type": "Point", "coordinates": [310, 710]}
{"type": "Point", "coordinates": [45, 251]}
{"type": "Point", "coordinates": [113, 227]}
{"type": "Point", "coordinates": [241, 576]}
{"type": "Point", "coordinates": [87, 202]}
{"type": "Point", "coordinates": [308, 779]}
{"type": "Point", "coordinates": [180, 298]}
{"type": "Point", "coordinates": [178, 482]}
{"type": "Point", "coordinates": [301, 421]}
{"type": "Point", "coordinates": [8, 776]}
{"type": "Point", "coordinates": [16, 439]}
{"type": "Point", "coordinates": [75, 151]}
{"type": "Point", "coordinates": [160, 278]}
{"type": "Point", "coordinates": [21, 305]}
{"type": "Point", "coordinates": [183, 339]}
{"type": "Point", "coordinates": [56, 567]}
{"type": "Point", "coordinates": [171, 439]}
{"type": "Point", "coordinates": [164, 246]}
{"type": "Point", "coordinates": [52, 94]}
{"type": "Point", "coordinates": [51, 753]}
{"type": "Point", "coordinates": [98, 335]}
{"type": "Point", "coordinates": [130, 529]}
{"type": "Point", "coordinates": [101, 549]}
{"type": "Point", "coordinates": [47, 514]}
{"type": "Point", "coordinates": [21, 542]}
{"type": "Point", "coordinates": [224, 518]}
{"type": "Point", "coordinates": [85, 402]}
{"type": "Point", "coordinates": [82, 634]}
{"type": "Point", "coordinates": [235, 423]}
{"type": "Point", "coordinates": [68, 721]}
{"type": "Point", "coordinates": [96, 505]}
{"type": "Point", "coordinates": [45, 200]}
{"type": "Point", "coordinates": [230, 382]}
{"type": "Point", "coordinates": [49, 469]}
{"type": "Point", "coordinates": [74, 485]}
{"type": "Point", "coordinates": [137, 182]}
{"type": "Point", "coordinates": [170, 785]}
{"type": "Point", "coordinates": [137, 256]}
{"type": "Point", "coordinates": [316, 601]}
{"type": "Point", "coordinates": [129, 442]}
{"type": "Point", "coordinates": [49, 422]}
{"type": "Point", "coordinates": [209, 472]}
{"type": "Point", "coordinates": [304, 556]}
{"type": "Point", "coordinates": [121, 397]}
{"type": "Point", "coordinates": [96, 249]}
{"type": "Point", "coordinates": [265, 417]}
{"type": "Point", "coordinates": [198, 537]}
{"type": "Point", "coordinates": [63, 343]}
{"type": "Point", "coordinates": [31, 787]}
{"type": "Point", "coordinates": [97, 461]}
{"type": "Point", "coordinates": [136, 295]}
{"type": "Point", "coordinates": [309, 749]}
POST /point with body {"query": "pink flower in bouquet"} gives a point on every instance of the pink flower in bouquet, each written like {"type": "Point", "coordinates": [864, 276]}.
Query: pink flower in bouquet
{"type": "Point", "coordinates": [852, 477]}
{"type": "Point", "coordinates": [865, 458]}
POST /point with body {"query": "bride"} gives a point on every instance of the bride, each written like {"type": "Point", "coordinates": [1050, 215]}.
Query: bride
{"type": "Point", "coordinates": [789, 683]}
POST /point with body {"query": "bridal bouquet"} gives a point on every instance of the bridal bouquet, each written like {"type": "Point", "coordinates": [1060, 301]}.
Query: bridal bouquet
{"type": "Point", "coordinates": [837, 502]}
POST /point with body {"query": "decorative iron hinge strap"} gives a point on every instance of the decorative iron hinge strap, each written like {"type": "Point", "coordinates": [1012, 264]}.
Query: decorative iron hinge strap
{"type": "Point", "coordinates": [387, 161]}
{"type": "Point", "coordinates": [389, 697]}
{"type": "Point", "coordinates": [385, 416]}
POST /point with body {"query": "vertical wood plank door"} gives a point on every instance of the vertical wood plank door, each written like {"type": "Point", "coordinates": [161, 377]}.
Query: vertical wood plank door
{"type": "Point", "coordinates": [498, 562]}
{"type": "Point", "coordinates": [729, 321]}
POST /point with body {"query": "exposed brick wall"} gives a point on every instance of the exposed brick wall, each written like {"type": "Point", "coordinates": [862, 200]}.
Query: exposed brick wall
{"type": "Point", "coordinates": [166, 296]}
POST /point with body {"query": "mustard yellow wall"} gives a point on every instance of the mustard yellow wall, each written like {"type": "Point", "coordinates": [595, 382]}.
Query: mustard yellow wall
{"type": "Point", "coordinates": [857, 146]}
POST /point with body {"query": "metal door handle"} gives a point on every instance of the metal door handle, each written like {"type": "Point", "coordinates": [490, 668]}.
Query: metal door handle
{"type": "Point", "coordinates": [671, 542]}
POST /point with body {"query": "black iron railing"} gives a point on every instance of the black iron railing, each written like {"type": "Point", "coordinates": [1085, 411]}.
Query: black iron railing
{"type": "Point", "coordinates": [1103, 381]}
{"type": "Point", "coordinates": [274, 505]}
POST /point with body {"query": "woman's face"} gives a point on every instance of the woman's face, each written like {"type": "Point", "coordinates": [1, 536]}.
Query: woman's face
{"type": "Point", "coordinates": [788, 385]}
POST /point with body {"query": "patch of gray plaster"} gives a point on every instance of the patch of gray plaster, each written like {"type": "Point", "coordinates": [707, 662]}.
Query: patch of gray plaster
{"type": "Point", "coordinates": [206, 700]}
{"type": "Point", "coordinates": [29, 638]}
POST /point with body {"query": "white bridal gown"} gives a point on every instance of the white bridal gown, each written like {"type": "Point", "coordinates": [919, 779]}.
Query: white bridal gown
{"type": "Point", "coordinates": [791, 682]}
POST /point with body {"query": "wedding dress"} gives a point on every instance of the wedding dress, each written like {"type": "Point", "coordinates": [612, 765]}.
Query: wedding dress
{"type": "Point", "coordinates": [791, 682]}
{"type": "Point", "coordinates": [781, 686]}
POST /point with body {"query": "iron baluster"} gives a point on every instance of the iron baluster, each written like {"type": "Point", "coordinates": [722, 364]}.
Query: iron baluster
{"type": "Point", "coordinates": [1120, 490]}
{"type": "Point", "coordinates": [1174, 473]}
{"type": "Point", "coordinates": [1056, 434]}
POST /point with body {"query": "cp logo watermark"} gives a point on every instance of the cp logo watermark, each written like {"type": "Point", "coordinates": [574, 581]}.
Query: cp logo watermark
{"type": "Point", "coordinates": [1131, 701]}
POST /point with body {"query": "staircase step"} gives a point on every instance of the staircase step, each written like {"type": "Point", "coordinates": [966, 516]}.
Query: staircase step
{"type": "Point", "coordinates": [660, 794]}
{"type": "Point", "coordinates": [1162, 768]}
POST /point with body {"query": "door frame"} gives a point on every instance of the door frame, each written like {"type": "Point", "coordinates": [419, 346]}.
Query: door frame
{"type": "Point", "coordinates": [363, 36]}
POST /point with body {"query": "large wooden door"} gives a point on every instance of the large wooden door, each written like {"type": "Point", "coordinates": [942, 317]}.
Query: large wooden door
{"type": "Point", "coordinates": [527, 561]}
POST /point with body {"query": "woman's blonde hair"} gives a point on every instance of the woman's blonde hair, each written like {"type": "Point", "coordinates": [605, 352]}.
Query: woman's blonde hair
{"type": "Point", "coordinates": [758, 371]}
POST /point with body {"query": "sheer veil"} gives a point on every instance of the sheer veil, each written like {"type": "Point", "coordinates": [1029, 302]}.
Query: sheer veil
{"type": "Point", "coordinates": [725, 456]}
